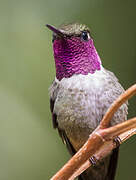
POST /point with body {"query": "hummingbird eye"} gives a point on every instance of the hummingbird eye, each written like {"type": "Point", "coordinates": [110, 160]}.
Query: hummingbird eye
{"type": "Point", "coordinates": [85, 36]}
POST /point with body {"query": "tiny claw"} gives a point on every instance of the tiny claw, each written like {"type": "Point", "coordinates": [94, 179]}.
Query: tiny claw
{"type": "Point", "coordinates": [93, 160]}
{"type": "Point", "coordinates": [117, 140]}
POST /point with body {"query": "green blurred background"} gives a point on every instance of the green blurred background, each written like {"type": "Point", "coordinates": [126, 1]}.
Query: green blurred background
{"type": "Point", "coordinates": [30, 148]}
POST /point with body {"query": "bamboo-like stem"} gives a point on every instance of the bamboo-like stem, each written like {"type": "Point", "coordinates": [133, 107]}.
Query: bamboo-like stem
{"type": "Point", "coordinates": [99, 144]}
{"type": "Point", "coordinates": [104, 152]}
{"type": "Point", "coordinates": [88, 149]}
{"type": "Point", "coordinates": [112, 132]}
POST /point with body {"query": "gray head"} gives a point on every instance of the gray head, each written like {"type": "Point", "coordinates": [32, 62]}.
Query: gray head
{"type": "Point", "coordinates": [74, 51]}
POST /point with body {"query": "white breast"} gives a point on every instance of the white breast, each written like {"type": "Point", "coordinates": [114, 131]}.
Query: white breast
{"type": "Point", "coordinates": [85, 82]}
{"type": "Point", "coordinates": [78, 99]}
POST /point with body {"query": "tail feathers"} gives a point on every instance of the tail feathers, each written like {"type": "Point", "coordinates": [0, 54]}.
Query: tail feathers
{"type": "Point", "coordinates": [105, 170]}
{"type": "Point", "coordinates": [113, 164]}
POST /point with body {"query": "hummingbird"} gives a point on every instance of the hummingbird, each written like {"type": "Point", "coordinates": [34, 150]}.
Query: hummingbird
{"type": "Point", "coordinates": [81, 93]}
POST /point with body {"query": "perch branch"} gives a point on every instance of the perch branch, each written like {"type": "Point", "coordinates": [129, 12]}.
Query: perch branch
{"type": "Point", "coordinates": [104, 152]}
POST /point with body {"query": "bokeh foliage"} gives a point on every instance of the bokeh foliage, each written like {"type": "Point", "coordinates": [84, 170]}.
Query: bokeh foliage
{"type": "Point", "coordinates": [29, 148]}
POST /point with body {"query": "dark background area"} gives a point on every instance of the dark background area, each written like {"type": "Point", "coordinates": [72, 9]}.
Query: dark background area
{"type": "Point", "coordinates": [30, 148]}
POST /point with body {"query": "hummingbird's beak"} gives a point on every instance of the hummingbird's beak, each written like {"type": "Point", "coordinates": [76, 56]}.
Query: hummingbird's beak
{"type": "Point", "coordinates": [55, 30]}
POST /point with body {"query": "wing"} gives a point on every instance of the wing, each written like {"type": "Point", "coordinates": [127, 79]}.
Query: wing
{"type": "Point", "coordinates": [54, 116]}
{"type": "Point", "coordinates": [53, 95]}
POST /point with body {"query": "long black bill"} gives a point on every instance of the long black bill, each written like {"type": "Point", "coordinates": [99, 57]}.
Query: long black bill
{"type": "Point", "coordinates": [55, 30]}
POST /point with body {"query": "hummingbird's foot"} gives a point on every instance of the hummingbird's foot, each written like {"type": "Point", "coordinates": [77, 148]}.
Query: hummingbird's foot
{"type": "Point", "coordinates": [93, 160]}
{"type": "Point", "coordinates": [117, 140]}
